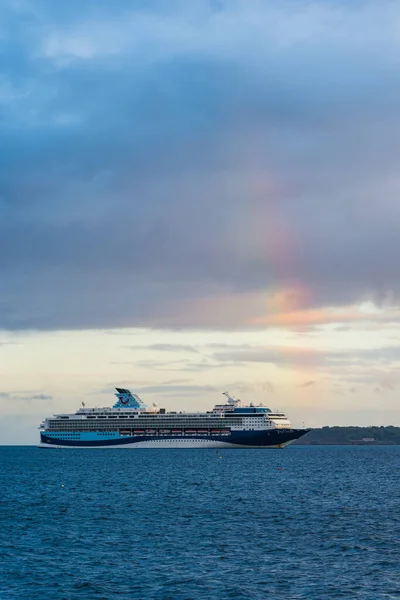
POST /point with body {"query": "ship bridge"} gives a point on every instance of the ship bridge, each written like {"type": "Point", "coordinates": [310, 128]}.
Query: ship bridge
{"type": "Point", "coordinates": [251, 409]}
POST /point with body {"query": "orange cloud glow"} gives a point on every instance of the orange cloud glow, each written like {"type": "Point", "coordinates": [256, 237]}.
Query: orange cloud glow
{"type": "Point", "coordinates": [324, 316]}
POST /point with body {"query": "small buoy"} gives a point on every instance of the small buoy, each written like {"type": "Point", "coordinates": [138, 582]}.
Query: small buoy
{"type": "Point", "coordinates": [62, 485]}
{"type": "Point", "coordinates": [220, 456]}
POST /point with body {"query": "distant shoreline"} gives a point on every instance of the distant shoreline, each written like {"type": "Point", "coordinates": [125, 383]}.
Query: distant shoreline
{"type": "Point", "coordinates": [352, 436]}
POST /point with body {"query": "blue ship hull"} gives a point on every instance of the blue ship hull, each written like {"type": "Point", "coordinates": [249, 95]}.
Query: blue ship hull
{"type": "Point", "coordinates": [276, 438]}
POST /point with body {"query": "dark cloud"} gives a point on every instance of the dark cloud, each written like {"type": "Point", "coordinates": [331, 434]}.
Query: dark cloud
{"type": "Point", "coordinates": [167, 163]}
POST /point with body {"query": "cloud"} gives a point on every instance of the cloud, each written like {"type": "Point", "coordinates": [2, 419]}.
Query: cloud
{"type": "Point", "coordinates": [387, 385]}
{"type": "Point", "coordinates": [247, 354]}
{"type": "Point", "coordinates": [199, 164]}
{"type": "Point", "coordinates": [282, 356]}
{"type": "Point", "coordinates": [207, 365]}
{"type": "Point", "coordinates": [166, 348]}
{"type": "Point", "coordinates": [178, 389]}
{"type": "Point", "coordinates": [267, 386]}
{"type": "Point", "coordinates": [25, 397]}
{"type": "Point", "coordinates": [179, 365]}
{"type": "Point", "coordinates": [351, 364]}
{"type": "Point", "coordinates": [175, 381]}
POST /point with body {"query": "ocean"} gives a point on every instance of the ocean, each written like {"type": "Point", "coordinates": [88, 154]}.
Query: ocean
{"type": "Point", "coordinates": [300, 523]}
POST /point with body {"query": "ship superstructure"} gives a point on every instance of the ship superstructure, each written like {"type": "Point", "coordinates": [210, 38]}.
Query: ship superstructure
{"type": "Point", "coordinates": [131, 424]}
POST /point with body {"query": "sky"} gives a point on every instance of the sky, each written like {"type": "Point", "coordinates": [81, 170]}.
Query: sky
{"type": "Point", "coordinates": [198, 197]}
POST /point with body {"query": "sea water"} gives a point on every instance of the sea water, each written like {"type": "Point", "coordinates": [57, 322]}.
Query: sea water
{"type": "Point", "coordinates": [303, 522]}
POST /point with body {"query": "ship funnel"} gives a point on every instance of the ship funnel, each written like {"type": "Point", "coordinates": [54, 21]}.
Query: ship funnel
{"type": "Point", "coordinates": [128, 400]}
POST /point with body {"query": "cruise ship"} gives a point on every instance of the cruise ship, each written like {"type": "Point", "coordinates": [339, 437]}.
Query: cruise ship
{"type": "Point", "coordinates": [131, 424]}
